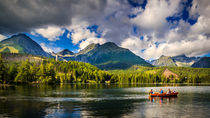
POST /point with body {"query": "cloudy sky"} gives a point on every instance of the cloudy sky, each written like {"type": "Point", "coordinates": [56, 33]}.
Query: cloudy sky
{"type": "Point", "coordinates": [149, 28]}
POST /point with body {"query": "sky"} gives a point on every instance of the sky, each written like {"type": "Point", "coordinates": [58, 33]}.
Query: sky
{"type": "Point", "coordinates": [149, 28]}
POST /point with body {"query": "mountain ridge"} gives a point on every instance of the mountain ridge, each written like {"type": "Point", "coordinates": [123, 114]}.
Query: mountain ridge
{"type": "Point", "coordinates": [105, 56]}
{"type": "Point", "coordinates": [164, 61]}
{"type": "Point", "coordinates": [179, 60]}
{"type": "Point", "coordinates": [64, 52]}
{"type": "Point", "coordinates": [204, 62]}
{"type": "Point", "coordinates": [108, 56]}
{"type": "Point", "coordinates": [23, 44]}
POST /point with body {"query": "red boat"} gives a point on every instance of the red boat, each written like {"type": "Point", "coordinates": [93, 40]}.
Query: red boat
{"type": "Point", "coordinates": [164, 94]}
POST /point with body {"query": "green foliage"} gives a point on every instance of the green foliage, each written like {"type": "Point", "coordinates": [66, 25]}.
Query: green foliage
{"type": "Point", "coordinates": [24, 74]}
{"type": "Point", "coordinates": [21, 43]}
{"type": "Point", "coordinates": [108, 56]}
{"type": "Point", "coordinates": [52, 72]}
{"type": "Point", "coordinates": [6, 50]}
{"type": "Point", "coordinates": [192, 75]}
{"type": "Point", "coordinates": [3, 72]}
{"type": "Point", "coordinates": [140, 74]}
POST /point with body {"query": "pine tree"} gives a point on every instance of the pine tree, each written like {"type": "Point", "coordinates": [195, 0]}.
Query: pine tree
{"type": "Point", "coordinates": [24, 75]}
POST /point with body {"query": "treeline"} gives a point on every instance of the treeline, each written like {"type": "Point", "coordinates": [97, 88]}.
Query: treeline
{"type": "Point", "coordinates": [192, 75]}
{"type": "Point", "coordinates": [51, 72]}
{"type": "Point", "coordinates": [140, 74]}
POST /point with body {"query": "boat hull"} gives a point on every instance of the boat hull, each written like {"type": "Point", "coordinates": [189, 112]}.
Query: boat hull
{"type": "Point", "coordinates": [164, 94]}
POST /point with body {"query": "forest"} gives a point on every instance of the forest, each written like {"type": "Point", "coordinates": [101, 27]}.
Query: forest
{"type": "Point", "coordinates": [50, 71]}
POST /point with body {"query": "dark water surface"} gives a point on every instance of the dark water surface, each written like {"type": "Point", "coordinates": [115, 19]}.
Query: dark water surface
{"type": "Point", "coordinates": [34, 101]}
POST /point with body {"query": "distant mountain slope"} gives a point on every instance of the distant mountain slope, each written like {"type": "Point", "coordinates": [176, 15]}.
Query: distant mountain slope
{"type": "Point", "coordinates": [65, 52]}
{"type": "Point", "coordinates": [88, 48]}
{"type": "Point", "coordinates": [204, 62]}
{"type": "Point", "coordinates": [180, 60]}
{"type": "Point", "coordinates": [184, 61]}
{"type": "Point", "coordinates": [18, 57]}
{"type": "Point", "coordinates": [109, 56]}
{"type": "Point", "coordinates": [164, 61]}
{"type": "Point", "coordinates": [21, 43]}
{"type": "Point", "coordinates": [184, 58]}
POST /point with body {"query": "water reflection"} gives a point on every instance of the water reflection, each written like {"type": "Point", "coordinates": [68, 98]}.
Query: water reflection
{"type": "Point", "coordinates": [161, 100]}
{"type": "Point", "coordinates": [102, 100]}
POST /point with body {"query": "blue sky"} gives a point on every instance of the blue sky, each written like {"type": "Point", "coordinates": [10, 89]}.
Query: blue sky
{"type": "Point", "coordinates": [149, 28]}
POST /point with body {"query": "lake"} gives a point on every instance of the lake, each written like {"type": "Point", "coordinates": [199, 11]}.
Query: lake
{"type": "Point", "coordinates": [99, 100]}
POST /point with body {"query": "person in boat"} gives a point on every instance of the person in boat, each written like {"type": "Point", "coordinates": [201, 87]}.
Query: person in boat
{"type": "Point", "coordinates": [169, 91]}
{"type": "Point", "coordinates": [161, 91]}
{"type": "Point", "coordinates": [151, 91]}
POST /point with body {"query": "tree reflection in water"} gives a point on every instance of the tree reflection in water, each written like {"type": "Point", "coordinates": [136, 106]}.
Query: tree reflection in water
{"type": "Point", "coordinates": [77, 100]}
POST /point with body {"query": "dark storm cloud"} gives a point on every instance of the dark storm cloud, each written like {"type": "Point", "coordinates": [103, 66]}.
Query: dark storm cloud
{"type": "Point", "coordinates": [24, 15]}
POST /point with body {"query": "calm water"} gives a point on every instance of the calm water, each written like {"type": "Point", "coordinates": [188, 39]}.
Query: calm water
{"type": "Point", "coordinates": [103, 101]}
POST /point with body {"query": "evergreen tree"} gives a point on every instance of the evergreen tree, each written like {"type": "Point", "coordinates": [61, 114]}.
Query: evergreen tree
{"type": "Point", "coordinates": [24, 74]}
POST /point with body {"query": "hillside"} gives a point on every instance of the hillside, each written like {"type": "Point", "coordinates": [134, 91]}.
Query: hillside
{"type": "Point", "coordinates": [184, 58]}
{"type": "Point", "coordinates": [204, 62]}
{"type": "Point", "coordinates": [108, 56]}
{"type": "Point", "coordinates": [180, 61]}
{"type": "Point", "coordinates": [88, 48]}
{"type": "Point", "coordinates": [164, 61]}
{"type": "Point", "coordinates": [65, 52]}
{"type": "Point", "coordinates": [184, 61]}
{"type": "Point", "coordinates": [169, 74]}
{"type": "Point", "coordinates": [18, 57]}
{"type": "Point", "coordinates": [23, 44]}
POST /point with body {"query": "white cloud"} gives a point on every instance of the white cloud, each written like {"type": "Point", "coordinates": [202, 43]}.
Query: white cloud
{"type": "Point", "coordinates": [136, 10]}
{"type": "Point", "coordinates": [202, 25]}
{"type": "Point", "coordinates": [49, 48]}
{"type": "Point", "coordinates": [155, 14]}
{"type": "Point", "coordinates": [192, 40]}
{"type": "Point", "coordinates": [79, 31]}
{"type": "Point", "coordinates": [88, 41]}
{"type": "Point", "coordinates": [179, 33]}
{"type": "Point", "coordinates": [113, 23]}
{"type": "Point", "coordinates": [188, 47]}
{"type": "Point", "coordinates": [134, 44]}
{"type": "Point", "coordinates": [200, 8]}
{"type": "Point", "coordinates": [184, 39]}
{"type": "Point", "coordinates": [2, 37]}
{"type": "Point", "coordinates": [50, 32]}
{"type": "Point", "coordinates": [83, 36]}
{"type": "Point", "coordinates": [115, 26]}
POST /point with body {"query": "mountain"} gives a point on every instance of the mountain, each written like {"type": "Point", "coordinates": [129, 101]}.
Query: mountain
{"type": "Point", "coordinates": [108, 56]}
{"type": "Point", "coordinates": [65, 52]}
{"type": "Point", "coordinates": [22, 44]}
{"type": "Point", "coordinates": [180, 60]}
{"type": "Point", "coordinates": [204, 62]}
{"type": "Point", "coordinates": [164, 61]}
{"type": "Point", "coordinates": [183, 60]}
{"type": "Point", "coordinates": [88, 48]}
